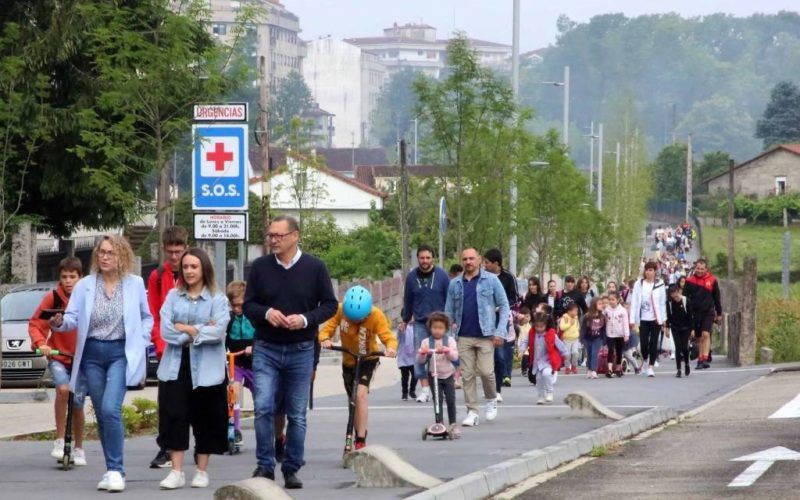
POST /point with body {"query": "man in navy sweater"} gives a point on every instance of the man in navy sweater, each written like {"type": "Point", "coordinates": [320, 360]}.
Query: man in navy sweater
{"type": "Point", "coordinates": [425, 292]}
{"type": "Point", "coordinates": [289, 295]}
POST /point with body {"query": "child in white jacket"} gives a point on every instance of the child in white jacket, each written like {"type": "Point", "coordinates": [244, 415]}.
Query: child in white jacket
{"type": "Point", "coordinates": [617, 332]}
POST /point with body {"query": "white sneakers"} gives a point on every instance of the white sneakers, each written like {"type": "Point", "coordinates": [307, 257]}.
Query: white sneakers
{"type": "Point", "coordinates": [424, 395]}
{"type": "Point", "coordinates": [471, 420]}
{"type": "Point", "coordinates": [499, 398]}
{"type": "Point", "coordinates": [491, 410]}
{"type": "Point", "coordinates": [79, 456]}
{"type": "Point", "coordinates": [112, 481]}
{"type": "Point", "coordinates": [650, 372]}
{"type": "Point", "coordinates": [540, 401]}
{"type": "Point", "coordinates": [175, 479]}
{"type": "Point", "coordinates": [58, 449]}
{"type": "Point", "coordinates": [548, 397]}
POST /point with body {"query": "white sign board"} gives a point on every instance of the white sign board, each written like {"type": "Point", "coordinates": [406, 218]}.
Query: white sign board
{"type": "Point", "coordinates": [233, 112]}
{"type": "Point", "coordinates": [220, 226]}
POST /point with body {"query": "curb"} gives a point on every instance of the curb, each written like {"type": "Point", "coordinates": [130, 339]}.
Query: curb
{"type": "Point", "coordinates": [498, 477]}
{"type": "Point", "coordinates": [33, 396]}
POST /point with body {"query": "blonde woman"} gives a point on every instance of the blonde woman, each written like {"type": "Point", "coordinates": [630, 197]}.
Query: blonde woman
{"type": "Point", "coordinates": [109, 309]}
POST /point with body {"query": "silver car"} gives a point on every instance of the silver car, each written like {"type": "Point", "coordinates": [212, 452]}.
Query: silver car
{"type": "Point", "coordinates": [21, 366]}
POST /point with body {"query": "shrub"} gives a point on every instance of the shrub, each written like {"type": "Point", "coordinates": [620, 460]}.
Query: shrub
{"type": "Point", "coordinates": [148, 410]}
{"type": "Point", "coordinates": [778, 327]}
{"type": "Point", "coordinates": [131, 420]}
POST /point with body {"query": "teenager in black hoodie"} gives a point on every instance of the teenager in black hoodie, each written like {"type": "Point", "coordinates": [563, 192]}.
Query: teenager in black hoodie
{"type": "Point", "coordinates": [680, 321]}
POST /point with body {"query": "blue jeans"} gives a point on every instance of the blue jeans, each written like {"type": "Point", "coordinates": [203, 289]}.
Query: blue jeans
{"type": "Point", "coordinates": [288, 368]}
{"type": "Point", "coordinates": [592, 351]}
{"type": "Point", "coordinates": [508, 352]}
{"type": "Point", "coordinates": [420, 333]}
{"type": "Point", "coordinates": [104, 365]}
{"type": "Point", "coordinates": [500, 361]}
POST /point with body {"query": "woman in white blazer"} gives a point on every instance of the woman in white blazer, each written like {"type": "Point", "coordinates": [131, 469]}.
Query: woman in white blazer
{"type": "Point", "coordinates": [648, 312]}
{"type": "Point", "coordinates": [109, 309]}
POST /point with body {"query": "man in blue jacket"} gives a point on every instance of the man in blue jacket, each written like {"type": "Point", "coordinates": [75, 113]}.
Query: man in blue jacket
{"type": "Point", "coordinates": [478, 306]}
{"type": "Point", "coordinates": [425, 292]}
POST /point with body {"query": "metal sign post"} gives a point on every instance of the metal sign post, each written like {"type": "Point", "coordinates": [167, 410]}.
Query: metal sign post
{"type": "Point", "coordinates": [442, 228]}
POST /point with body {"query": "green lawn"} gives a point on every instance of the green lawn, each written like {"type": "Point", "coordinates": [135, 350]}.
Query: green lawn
{"type": "Point", "coordinates": [765, 242]}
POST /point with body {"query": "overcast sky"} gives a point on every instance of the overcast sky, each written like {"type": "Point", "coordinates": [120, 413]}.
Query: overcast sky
{"type": "Point", "coordinates": [491, 19]}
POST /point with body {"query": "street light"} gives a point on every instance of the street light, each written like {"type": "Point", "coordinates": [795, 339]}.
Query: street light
{"type": "Point", "coordinates": [564, 84]}
{"type": "Point", "coordinates": [591, 136]}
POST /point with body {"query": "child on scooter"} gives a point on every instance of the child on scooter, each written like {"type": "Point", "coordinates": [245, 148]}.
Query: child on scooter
{"type": "Point", "coordinates": [544, 356]}
{"type": "Point", "coordinates": [240, 338]}
{"type": "Point", "coordinates": [360, 326]}
{"type": "Point", "coordinates": [444, 351]}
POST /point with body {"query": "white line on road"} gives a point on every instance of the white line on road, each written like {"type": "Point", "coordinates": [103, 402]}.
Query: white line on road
{"type": "Point", "coordinates": [789, 410]}
{"type": "Point", "coordinates": [750, 474]}
{"type": "Point", "coordinates": [427, 407]}
{"type": "Point", "coordinates": [762, 461]}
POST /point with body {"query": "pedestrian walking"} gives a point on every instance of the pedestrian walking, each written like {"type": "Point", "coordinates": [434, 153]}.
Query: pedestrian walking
{"type": "Point", "coordinates": [110, 311]}
{"type": "Point", "coordinates": [289, 295]}
{"type": "Point", "coordinates": [504, 356]}
{"type": "Point", "coordinates": [680, 322]}
{"type": "Point", "coordinates": [569, 327]}
{"type": "Point", "coordinates": [593, 326]}
{"type": "Point", "coordinates": [648, 313]}
{"type": "Point", "coordinates": [544, 356]}
{"type": "Point", "coordinates": [702, 290]}
{"type": "Point", "coordinates": [617, 332]}
{"type": "Point", "coordinates": [406, 359]}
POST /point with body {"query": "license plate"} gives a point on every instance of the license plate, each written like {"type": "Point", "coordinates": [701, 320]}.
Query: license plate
{"type": "Point", "coordinates": [17, 364]}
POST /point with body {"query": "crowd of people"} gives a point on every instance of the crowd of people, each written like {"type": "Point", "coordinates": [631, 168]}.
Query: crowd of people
{"type": "Point", "coordinates": [456, 329]}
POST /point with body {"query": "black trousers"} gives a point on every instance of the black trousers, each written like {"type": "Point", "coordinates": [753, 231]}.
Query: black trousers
{"type": "Point", "coordinates": [681, 339]}
{"type": "Point", "coordinates": [648, 336]}
{"type": "Point", "coordinates": [408, 382]}
{"type": "Point", "coordinates": [204, 409]}
{"type": "Point", "coordinates": [615, 348]}
{"type": "Point", "coordinates": [447, 388]}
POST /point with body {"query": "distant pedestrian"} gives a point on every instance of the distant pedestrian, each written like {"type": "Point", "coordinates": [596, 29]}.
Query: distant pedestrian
{"type": "Point", "coordinates": [617, 332]}
{"type": "Point", "coordinates": [534, 296]}
{"type": "Point", "coordinates": [569, 326]}
{"type": "Point", "coordinates": [702, 290]}
{"type": "Point", "coordinates": [504, 357]}
{"type": "Point", "coordinates": [648, 313]}
{"type": "Point", "coordinates": [406, 360]}
{"type": "Point", "coordinates": [593, 332]}
{"type": "Point", "coordinates": [681, 324]}
{"type": "Point", "coordinates": [455, 271]}
{"type": "Point", "coordinates": [568, 295]}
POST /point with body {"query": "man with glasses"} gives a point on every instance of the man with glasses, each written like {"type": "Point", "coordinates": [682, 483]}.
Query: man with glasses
{"type": "Point", "coordinates": [289, 295]}
{"type": "Point", "coordinates": [161, 281]}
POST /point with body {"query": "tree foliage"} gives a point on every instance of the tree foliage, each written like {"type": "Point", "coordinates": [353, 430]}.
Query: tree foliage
{"type": "Point", "coordinates": [669, 173]}
{"type": "Point", "coordinates": [393, 118]}
{"type": "Point", "coordinates": [780, 123]}
{"type": "Point", "coordinates": [290, 102]}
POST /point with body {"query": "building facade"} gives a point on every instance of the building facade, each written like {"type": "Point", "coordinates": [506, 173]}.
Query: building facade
{"type": "Point", "coordinates": [345, 80]}
{"type": "Point", "coordinates": [773, 172]}
{"type": "Point", "coordinates": [416, 46]}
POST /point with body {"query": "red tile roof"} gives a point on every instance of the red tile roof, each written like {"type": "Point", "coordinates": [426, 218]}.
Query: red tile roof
{"type": "Point", "coordinates": [792, 148]}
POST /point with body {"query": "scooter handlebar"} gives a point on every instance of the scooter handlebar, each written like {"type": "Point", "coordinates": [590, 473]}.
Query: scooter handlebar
{"type": "Point", "coordinates": [53, 352]}
{"type": "Point", "coordinates": [348, 351]}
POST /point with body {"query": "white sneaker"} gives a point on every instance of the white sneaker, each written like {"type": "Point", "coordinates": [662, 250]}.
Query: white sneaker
{"type": "Point", "coordinates": [672, 356]}
{"type": "Point", "coordinates": [540, 401]}
{"type": "Point", "coordinates": [200, 479]}
{"type": "Point", "coordinates": [548, 398]}
{"type": "Point", "coordinates": [58, 449]}
{"type": "Point", "coordinates": [103, 484]}
{"type": "Point", "coordinates": [650, 372]}
{"type": "Point", "coordinates": [491, 410]}
{"type": "Point", "coordinates": [424, 395]}
{"type": "Point", "coordinates": [656, 365]}
{"type": "Point", "coordinates": [471, 420]}
{"type": "Point", "coordinates": [174, 480]}
{"type": "Point", "coordinates": [499, 398]}
{"type": "Point", "coordinates": [115, 481]}
{"type": "Point", "coordinates": [79, 456]}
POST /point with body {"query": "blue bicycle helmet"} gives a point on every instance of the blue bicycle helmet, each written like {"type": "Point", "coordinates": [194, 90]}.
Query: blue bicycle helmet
{"type": "Point", "coordinates": [357, 303]}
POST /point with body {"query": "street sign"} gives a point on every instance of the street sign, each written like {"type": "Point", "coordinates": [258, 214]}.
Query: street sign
{"type": "Point", "coordinates": [762, 461]}
{"type": "Point", "coordinates": [232, 112]}
{"type": "Point", "coordinates": [219, 167]}
{"type": "Point", "coordinates": [220, 227]}
{"type": "Point", "coordinates": [442, 215]}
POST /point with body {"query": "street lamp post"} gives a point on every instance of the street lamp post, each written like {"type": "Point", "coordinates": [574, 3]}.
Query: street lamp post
{"type": "Point", "coordinates": [592, 137]}
{"type": "Point", "coordinates": [565, 117]}
{"type": "Point", "coordinates": [600, 170]}
{"type": "Point", "coordinates": [512, 253]}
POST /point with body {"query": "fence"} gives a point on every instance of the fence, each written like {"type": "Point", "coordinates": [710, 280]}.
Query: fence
{"type": "Point", "coordinates": [387, 294]}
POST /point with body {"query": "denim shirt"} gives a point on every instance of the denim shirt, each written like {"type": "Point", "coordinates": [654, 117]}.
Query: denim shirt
{"type": "Point", "coordinates": [210, 315]}
{"type": "Point", "coordinates": [493, 308]}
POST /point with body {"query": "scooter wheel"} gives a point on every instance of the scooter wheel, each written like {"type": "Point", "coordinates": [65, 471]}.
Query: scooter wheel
{"type": "Point", "coordinates": [65, 462]}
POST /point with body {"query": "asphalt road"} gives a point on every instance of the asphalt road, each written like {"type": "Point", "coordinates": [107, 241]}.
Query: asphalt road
{"type": "Point", "coordinates": [26, 470]}
{"type": "Point", "coordinates": [695, 458]}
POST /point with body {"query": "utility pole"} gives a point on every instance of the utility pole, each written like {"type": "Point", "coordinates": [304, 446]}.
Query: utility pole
{"type": "Point", "coordinates": [592, 138]}
{"type": "Point", "coordinates": [731, 231]}
{"type": "Point", "coordinates": [566, 100]}
{"type": "Point", "coordinates": [600, 170]}
{"type": "Point", "coordinates": [512, 253]}
{"type": "Point", "coordinates": [405, 250]}
{"type": "Point", "coordinates": [263, 149]}
{"type": "Point", "coordinates": [787, 252]}
{"type": "Point", "coordinates": [689, 179]}
{"type": "Point", "coordinates": [416, 141]}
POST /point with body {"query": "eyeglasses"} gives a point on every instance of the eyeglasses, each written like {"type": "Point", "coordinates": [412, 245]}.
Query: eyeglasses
{"type": "Point", "coordinates": [103, 254]}
{"type": "Point", "coordinates": [278, 236]}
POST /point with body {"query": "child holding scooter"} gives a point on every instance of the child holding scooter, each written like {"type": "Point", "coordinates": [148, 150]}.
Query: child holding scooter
{"type": "Point", "coordinates": [360, 326]}
{"type": "Point", "coordinates": [443, 350]}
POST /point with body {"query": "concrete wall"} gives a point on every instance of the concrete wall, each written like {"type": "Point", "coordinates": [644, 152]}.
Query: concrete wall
{"type": "Point", "coordinates": [758, 177]}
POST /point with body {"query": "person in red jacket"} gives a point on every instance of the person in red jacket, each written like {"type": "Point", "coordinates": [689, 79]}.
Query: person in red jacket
{"type": "Point", "coordinates": [702, 290]}
{"type": "Point", "coordinates": [70, 270]}
{"type": "Point", "coordinates": [545, 358]}
{"type": "Point", "coordinates": [174, 241]}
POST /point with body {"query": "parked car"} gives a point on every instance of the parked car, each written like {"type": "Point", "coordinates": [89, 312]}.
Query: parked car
{"type": "Point", "coordinates": [21, 366]}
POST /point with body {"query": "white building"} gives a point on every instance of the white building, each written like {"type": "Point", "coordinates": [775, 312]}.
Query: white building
{"type": "Point", "coordinates": [345, 80]}
{"type": "Point", "coordinates": [278, 34]}
{"type": "Point", "coordinates": [323, 190]}
{"type": "Point", "coordinates": [416, 46]}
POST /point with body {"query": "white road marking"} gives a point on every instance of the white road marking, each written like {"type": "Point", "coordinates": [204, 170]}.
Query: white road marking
{"type": "Point", "coordinates": [789, 410]}
{"type": "Point", "coordinates": [762, 461]}
{"type": "Point", "coordinates": [501, 405]}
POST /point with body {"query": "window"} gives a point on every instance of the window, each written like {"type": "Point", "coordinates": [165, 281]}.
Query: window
{"type": "Point", "coordinates": [780, 185]}
{"type": "Point", "coordinates": [219, 29]}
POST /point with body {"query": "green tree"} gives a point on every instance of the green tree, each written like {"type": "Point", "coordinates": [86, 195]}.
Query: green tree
{"type": "Point", "coordinates": [669, 173]}
{"type": "Point", "coordinates": [717, 123]}
{"type": "Point", "coordinates": [713, 163]}
{"type": "Point", "coordinates": [393, 118]}
{"type": "Point", "coordinates": [291, 101]}
{"type": "Point", "coordinates": [780, 123]}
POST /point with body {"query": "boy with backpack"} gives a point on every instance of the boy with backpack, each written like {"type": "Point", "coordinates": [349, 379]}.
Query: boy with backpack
{"type": "Point", "coordinates": [70, 270]}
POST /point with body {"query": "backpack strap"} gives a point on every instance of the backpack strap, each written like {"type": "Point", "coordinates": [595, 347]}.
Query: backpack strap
{"type": "Point", "coordinates": [57, 302]}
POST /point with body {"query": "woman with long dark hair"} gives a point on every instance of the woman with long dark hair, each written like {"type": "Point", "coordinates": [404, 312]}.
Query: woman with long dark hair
{"type": "Point", "coordinates": [534, 295]}
{"type": "Point", "coordinates": [191, 375]}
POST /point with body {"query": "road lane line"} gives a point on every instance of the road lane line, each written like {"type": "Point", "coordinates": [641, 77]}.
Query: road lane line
{"type": "Point", "coordinates": [789, 410]}
{"type": "Point", "coordinates": [750, 475]}
{"type": "Point", "coordinates": [427, 407]}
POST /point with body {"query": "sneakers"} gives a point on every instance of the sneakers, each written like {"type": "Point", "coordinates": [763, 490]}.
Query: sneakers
{"type": "Point", "coordinates": [499, 398]}
{"type": "Point", "coordinates": [79, 456]}
{"type": "Point", "coordinates": [174, 480]}
{"type": "Point", "coordinates": [291, 481]}
{"type": "Point", "coordinates": [594, 375]}
{"type": "Point", "coordinates": [650, 372]}
{"type": "Point", "coordinates": [589, 374]}
{"type": "Point", "coordinates": [103, 484]}
{"type": "Point", "coordinates": [424, 396]}
{"type": "Point", "coordinates": [58, 449]}
{"type": "Point", "coordinates": [161, 461]}
{"type": "Point", "coordinates": [237, 438]}
{"type": "Point", "coordinates": [540, 401]}
{"type": "Point", "coordinates": [686, 370]}
{"type": "Point", "coordinates": [609, 374]}
{"type": "Point", "coordinates": [678, 374]}
{"type": "Point", "coordinates": [471, 420]}
{"type": "Point", "coordinates": [491, 410]}
{"type": "Point", "coordinates": [506, 381]}
{"type": "Point", "coordinates": [404, 397]}
{"type": "Point", "coordinates": [115, 481]}
{"type": "Point", "coordinates": [259, 472]}
{"type": "Point", "coordinates": [548, 398]}
{"type": "Point", "coordinates": [455, 430]}
{"type": "Point", "coordinates": [200, 479]}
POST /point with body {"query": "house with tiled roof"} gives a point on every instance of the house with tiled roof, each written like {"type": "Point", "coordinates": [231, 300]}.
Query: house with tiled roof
{"type": "Point", "coordinates": [775, 171]}
{"type": "Point", "coordinates": [386, 177]}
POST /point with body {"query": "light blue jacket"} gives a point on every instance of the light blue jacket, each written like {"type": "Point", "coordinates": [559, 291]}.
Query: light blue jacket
{"type": "Point", "coordinates": [137, 320]}
{"type": "Point", "coordinates": [210, 315]}
{"type": "Point", "coordinates": [493, 309]}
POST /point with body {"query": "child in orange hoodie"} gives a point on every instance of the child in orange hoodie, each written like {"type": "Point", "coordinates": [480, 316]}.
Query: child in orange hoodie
{"type": "Point", "coordinates": [70, 271]}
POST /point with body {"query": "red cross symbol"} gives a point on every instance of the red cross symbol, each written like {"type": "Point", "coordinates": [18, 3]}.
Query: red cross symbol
{"type": "Point", "coordinates": [219, 156]}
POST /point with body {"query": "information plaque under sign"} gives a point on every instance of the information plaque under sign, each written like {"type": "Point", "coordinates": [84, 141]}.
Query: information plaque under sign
{"type": "Point", "coordinates": [220, 227]}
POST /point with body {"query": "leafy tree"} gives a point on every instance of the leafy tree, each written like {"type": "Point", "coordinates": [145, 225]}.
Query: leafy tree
{"type": "Point", "coordinates": [669, 173]}
{"type": "Point", "coordinates": [393, 118]}
{"type": "Point", "coordinates": [292, 100]}
{"type": "Point", "coordinates": [713, 163]}
{"type": "Point", "coordinates": [369, 252]}
{"type": "Point", "coordinates": [780, 123]}
{"type": "Point", "coordinates": [718, 123]}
